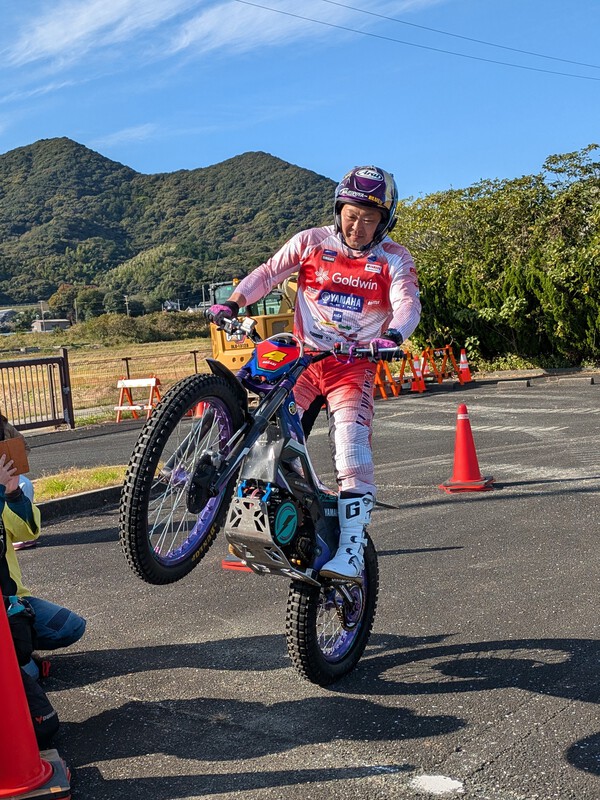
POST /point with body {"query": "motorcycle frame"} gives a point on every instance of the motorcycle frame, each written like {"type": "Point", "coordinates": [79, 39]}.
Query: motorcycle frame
{"type": "Point", "coordinates": [265, 450]}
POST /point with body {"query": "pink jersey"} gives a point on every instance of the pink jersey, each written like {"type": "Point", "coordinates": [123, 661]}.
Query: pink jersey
{"type": "Point", "coordinates": [340, 298]}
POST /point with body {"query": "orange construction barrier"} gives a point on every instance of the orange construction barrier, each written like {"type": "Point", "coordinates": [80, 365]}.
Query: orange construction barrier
{"type": "Point", "coordinates": [126, 402]}
{"type": "Point", "coordinates": [384, 380]}
{"type": "Point", "coordinates": [466, 476]}
{"type": "Point", "coordinates": [23, 772]}
{"type": "Point", "coordinates": [429, 369]}
{"type": "Point", "coordinates": [448, 367]}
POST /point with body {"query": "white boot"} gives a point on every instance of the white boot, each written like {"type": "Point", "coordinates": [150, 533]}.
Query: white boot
{"type": "Point", "coordinates": [354, 513]}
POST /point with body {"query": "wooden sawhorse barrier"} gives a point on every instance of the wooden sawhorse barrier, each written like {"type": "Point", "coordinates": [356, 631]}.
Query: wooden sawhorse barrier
{"type": "Point", "coordinates": [126, 401]}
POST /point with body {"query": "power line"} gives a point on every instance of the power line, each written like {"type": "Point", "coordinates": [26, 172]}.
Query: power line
{"type": "Point", "coordinates": [460, 36]}
{"type": "Point", "coordinates": [420, 46]}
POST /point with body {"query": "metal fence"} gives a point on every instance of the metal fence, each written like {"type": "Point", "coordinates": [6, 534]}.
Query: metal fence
{"type": "Point", "coordinates": [36, 392]}
{"type": "Point", "coordinates": [95, 392]}
{"type": "Point", "coordinates": [47, 392]}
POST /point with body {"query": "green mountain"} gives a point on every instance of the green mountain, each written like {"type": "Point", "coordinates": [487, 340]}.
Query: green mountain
{"type": "Point", "coordinates": [70, 215]}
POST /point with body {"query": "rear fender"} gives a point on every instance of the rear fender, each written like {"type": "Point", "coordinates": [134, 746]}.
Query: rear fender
{"type": "Point", "coordinates": [223, 372]}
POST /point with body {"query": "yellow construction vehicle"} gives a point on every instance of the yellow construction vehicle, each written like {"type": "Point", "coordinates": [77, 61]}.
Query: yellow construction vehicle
{"type": "Point", "coordinates": [273, 314]}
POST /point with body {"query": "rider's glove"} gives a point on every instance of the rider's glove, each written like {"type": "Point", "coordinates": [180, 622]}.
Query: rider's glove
{"type": "Point", "coordinates": [222, 311]}
{"type": "Point", "coordinates": [390, 338]}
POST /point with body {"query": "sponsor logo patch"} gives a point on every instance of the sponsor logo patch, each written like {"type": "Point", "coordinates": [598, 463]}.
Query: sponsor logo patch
{"type": "Point", "coordinates": [373, 174]}
{"type": "Point", "coordinates": [345, 302]}
{"type": "Point", "coordinates": [355, 281]}
{"type": "Point", "coordinates": [321, 275]}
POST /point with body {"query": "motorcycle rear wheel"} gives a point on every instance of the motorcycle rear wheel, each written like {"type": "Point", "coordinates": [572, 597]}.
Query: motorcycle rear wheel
{"type": "Point", "coordinates": [162, 539]}
{"type": "Point", "coordinates": [326, 635]}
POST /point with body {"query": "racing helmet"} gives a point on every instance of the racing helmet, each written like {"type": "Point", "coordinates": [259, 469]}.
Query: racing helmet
{"type": "Point", "coordinates": [368, 186]}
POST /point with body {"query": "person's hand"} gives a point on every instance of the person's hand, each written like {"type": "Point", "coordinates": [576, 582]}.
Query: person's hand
{"type": "Point", "coordinates": [378, 345]}
{"type": "Point", "coordinates": [8, 474]}
{"type": "Point", "coordinates": [222, 311]}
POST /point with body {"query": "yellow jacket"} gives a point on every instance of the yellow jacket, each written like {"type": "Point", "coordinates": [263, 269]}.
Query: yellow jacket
{"type": "Point", "coordinates": [18, 530]}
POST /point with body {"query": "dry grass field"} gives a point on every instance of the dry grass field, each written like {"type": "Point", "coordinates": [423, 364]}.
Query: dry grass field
{"type": "Point", "coordinates": [96, 369]}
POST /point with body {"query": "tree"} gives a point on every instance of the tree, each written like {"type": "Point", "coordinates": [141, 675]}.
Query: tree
{"type": "Point", "coordinates": [89, 303]}
{"type": "Point", "coordinates": [114, 302]}
{"type": "Point", "coordinates": [62, 303]}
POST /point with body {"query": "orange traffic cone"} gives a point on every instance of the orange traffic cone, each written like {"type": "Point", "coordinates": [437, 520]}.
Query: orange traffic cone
{"type": "Point", "coordinates": [466, 476]}
{"type": "Point", "coordinates": [23, 772]}
{"type": "Point", "coordinates": [463, 367]}
{"type": "Point", "coordinates": [418, 384]}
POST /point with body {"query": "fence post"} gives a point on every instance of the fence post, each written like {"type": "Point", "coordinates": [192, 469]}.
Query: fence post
{"type": "Point", "coordinates": [65, 387]}
{"type": "Point", "coordinates": [127, 359]}
{"type": "Point", "coordinates": [50, 370]}
{"type": "Point", "coordinates": [195, 355]}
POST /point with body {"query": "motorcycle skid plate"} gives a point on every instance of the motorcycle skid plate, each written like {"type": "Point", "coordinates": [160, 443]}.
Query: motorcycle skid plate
{"type": "Point", "coordinates": [248, 531]}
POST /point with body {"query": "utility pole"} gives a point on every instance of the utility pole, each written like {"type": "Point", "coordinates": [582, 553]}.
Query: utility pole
{"type": "Point", "coordinates": [126, 297]}
{"type": "Point", "coordinates": [42, 315]}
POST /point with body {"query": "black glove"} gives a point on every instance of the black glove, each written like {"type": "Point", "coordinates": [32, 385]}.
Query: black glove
{"type": "Point", "coordinates": [394, 335]}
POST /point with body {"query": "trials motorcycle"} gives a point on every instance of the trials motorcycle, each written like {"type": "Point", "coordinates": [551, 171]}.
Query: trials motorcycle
{"type": "Point", "coordinates": [208, 459]}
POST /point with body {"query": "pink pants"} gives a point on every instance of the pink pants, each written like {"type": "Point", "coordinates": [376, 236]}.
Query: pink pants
{"type": "Point", "coordinates": [348, 390]}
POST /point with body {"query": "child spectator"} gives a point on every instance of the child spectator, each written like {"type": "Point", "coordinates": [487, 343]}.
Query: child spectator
{"type": "Point", "coordinates": [54, 626]}
{"type": "Point", "coordinates": [8, 431]}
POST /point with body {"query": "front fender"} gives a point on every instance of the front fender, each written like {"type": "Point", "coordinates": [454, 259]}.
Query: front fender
{"type": "Point", "coordinates": [224, 372]}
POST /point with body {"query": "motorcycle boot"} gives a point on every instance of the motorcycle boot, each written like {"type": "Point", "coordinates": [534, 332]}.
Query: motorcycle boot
{"type": "Point", "coordinates": [354, 514]}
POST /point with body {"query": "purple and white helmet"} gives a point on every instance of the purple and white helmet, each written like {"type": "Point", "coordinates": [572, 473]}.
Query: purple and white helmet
{"type": "Point", "coordinates": [368, 186]}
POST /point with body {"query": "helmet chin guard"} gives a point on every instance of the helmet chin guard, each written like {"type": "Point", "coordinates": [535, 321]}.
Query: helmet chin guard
{"type": "Point", "coordinates": [368, 186]}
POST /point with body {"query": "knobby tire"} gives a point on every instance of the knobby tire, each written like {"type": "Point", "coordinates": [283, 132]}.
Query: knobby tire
{"type": "Point", "coordinates": [302, 627]}
{"type": "Point", "coordinates": [142, 472]}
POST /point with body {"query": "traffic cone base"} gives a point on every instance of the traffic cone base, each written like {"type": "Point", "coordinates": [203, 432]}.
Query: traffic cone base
{"type": "Point", "coordinates": [56, 786]}
{"type": "Point", "coordinates": [483, 485]}
{"type": "Point", "coordinates": [466, 476]}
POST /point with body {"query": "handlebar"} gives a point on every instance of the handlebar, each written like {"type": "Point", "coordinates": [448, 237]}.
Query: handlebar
{"type": "Point", "coordinates": [238, 329]}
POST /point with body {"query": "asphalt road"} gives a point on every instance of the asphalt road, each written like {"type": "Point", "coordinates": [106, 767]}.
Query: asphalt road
{"type": "Point", "coordinates": [95, 446]}
{"type": "Point", "coordinates": [481, 676]}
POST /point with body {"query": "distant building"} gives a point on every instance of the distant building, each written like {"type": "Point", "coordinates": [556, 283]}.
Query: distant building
{"type": "Point", "coordinates": [49, 325]}
{"type": "Point", "coordinates": [197, 309]}
{"type": "Point", "coordinates": [6, 315]}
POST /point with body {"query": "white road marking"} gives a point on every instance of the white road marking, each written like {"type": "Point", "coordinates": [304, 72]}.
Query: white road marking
{"type": "Point", "coordinates": [436, 784]}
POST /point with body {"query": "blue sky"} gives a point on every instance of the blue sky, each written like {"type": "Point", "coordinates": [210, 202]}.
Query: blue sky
{"type": "Point", "coordinates": [161, 85]}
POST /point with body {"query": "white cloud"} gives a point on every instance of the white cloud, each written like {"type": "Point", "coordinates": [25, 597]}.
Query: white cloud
{"type": "Point", "coordinates": [242, 27]}
{"type": "Point", "coordinates": [137, 133]}
{"type": "Point", "coordinates": [38, 91]}
{"type": "Point", "coordinates": [67, 31]}
{"type": "Point", "coordinates": [72, 28]}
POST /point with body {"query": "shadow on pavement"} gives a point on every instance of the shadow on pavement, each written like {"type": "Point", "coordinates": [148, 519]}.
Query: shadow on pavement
{"type": "Point", "coordinates": [558, 667]}
{"type": "Point", "coordinates": [585, 754]}
{"type": "Point", "coordinates": [169, 788]}
{"type": "Point", "coordinates": [222, 729]}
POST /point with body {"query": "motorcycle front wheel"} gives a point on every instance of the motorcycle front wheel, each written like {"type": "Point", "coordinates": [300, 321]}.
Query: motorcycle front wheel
{"type": "Point", "coordinates": [328, 627]}
{"type": "Point", "coordinates": [164, 530]}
